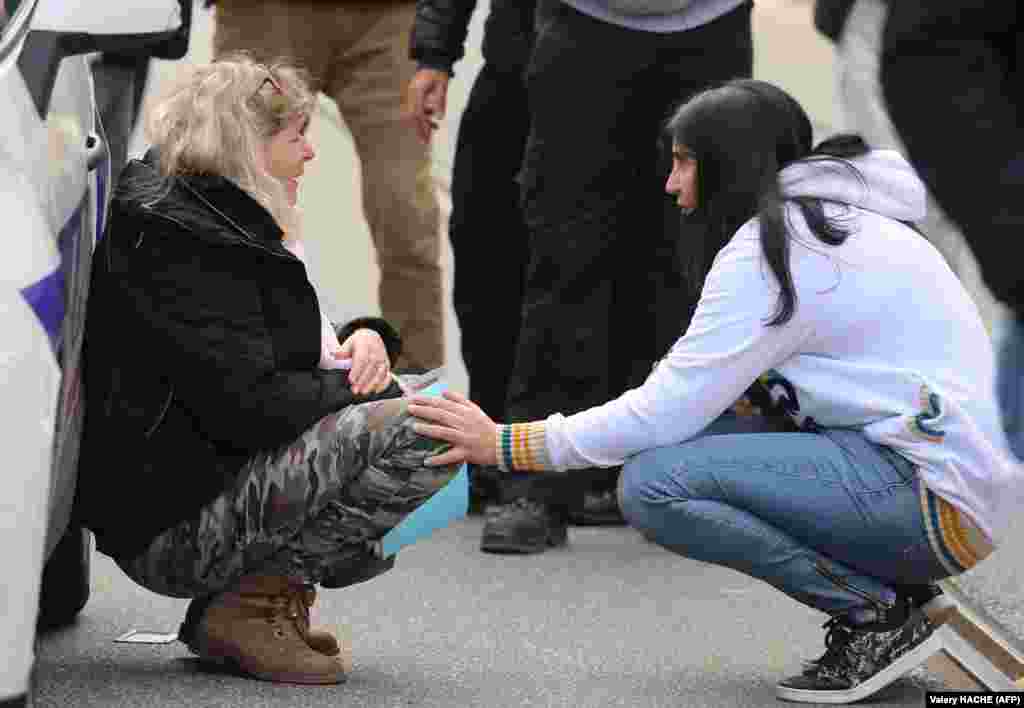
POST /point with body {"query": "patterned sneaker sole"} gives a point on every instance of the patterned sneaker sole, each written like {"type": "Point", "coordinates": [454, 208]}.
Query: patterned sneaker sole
{"type": "Point", "coordinates": [883, 678]}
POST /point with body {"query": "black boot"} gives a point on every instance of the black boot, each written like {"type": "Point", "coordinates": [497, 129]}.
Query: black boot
{"type": "Point", "coordinates": [483, 489]}
{"type": "Point", "coordinates": [523, 526]}
{"type": "Point", "coordinates": [598, 509]}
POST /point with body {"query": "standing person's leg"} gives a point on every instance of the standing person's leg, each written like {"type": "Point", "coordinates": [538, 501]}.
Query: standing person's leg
{"type": "Point", "coordinates": [863, 111]}
{"type": "Point", "coordinates": [830, 519]}
{"type": "Point", "coordinates": [270, 30]}
{"type": "Point", "coordinates": [489, 239]}
{"type": "Point", "coordinates": [368, 75]}
{"type": "Point", "coordinates": [579, 168]}
{"type": "Point", "coordinates": [652, 301]}
{"type": "Point", "coordinates": [293, 517]}
{"type": "Point", "coordinates": [688, 62]}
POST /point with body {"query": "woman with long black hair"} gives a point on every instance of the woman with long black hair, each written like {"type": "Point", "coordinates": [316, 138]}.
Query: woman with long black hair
{"type": "Point", "coordinates": [816, 288]}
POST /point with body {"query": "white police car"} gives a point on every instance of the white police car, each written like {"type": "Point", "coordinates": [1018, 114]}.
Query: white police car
{"type": "Point", "coordinates": [55, 178]}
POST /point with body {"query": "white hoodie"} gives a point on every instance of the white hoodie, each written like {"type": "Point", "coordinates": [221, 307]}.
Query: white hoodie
{"type": "Point", "coordinates": [884, 338]}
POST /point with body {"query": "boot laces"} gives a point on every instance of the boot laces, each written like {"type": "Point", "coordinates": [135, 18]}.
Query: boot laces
{"type": "Point", "coordinates": [520, 505]}
{"type": "Point", "coordinates": [291, 605]}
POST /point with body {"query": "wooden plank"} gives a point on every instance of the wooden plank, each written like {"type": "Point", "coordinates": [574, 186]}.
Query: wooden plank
{"type": "Point", "coordinates": [978, 638]}
{"type": "Point", "coordinates": [971, 659]}
{"type": "Point", "coordinates": [952, 673]}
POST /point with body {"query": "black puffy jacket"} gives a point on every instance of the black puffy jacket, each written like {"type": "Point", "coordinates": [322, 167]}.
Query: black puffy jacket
{"type": "Point", "coordinates": [202, 341]}
{"type": "Point", "coordinates": [439, 33]}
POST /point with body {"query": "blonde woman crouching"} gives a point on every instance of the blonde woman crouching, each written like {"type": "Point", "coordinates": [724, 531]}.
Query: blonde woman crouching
{"type": "Point", "coordinates": [235, 451]}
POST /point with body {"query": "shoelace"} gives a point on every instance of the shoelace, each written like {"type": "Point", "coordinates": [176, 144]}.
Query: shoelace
{"type": "Point", "coordinates": [521, 504]}
{"type": "Point", "coordinates": [837, 637]}
{"type": "Point", "coordinates": [292, 605]}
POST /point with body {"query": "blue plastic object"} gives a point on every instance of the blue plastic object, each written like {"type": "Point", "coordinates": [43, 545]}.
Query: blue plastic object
{"type": "Point", "coordinates": [448, 504]}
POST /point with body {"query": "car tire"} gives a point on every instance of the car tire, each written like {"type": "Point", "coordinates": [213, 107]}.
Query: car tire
{"type": "Point", "coordinates": [65, 586]}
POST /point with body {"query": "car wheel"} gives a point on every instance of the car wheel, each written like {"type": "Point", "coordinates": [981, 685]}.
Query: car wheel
{"type": "Point", "coordinates": [65, 587]}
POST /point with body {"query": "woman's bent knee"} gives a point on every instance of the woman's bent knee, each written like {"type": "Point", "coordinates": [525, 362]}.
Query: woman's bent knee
{"type": "Point", "coordinates": [638, 487]}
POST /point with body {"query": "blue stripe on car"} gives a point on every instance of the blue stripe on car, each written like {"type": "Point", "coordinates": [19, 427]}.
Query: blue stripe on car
{"type": "Point", "coordinates": [47, 296]}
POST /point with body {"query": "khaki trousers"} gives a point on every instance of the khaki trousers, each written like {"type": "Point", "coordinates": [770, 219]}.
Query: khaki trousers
{"type": "Point", "coordinates": [357, 53]}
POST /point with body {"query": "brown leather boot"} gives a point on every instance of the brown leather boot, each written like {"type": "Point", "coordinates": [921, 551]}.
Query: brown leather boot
{"type": "Point", "coordinates": [318, 639]}
{"type": "Point", "coordinates": [260, 627]}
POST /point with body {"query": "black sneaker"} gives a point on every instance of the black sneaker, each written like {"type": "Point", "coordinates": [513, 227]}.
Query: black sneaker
{"type": "Point", "coordinates": [929, 598]}
{"type": "Point", "coordinates": [599, 509]}
{"type": "Point", "coordinates": [523, 526]}
{"type": "Point", "coordinates": [861, 660]}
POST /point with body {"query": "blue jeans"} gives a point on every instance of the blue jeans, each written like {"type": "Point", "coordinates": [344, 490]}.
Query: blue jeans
{"type": "Point", "coordinates": [1010, 381]}
{"type": "Point", "coordinates": [789, 508]}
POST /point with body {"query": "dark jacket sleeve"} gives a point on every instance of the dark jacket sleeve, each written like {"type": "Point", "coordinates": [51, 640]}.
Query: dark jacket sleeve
{"type": "Point", "coordinates": [198, 308]}
{"type": "Point", "coordinates": [963, 133]}
{"type": "Point", "coordinates": [439, 32]}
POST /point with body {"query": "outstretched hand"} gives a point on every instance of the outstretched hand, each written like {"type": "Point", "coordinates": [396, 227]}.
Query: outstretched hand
{"type": "Point", "coordinates": [457, 420]}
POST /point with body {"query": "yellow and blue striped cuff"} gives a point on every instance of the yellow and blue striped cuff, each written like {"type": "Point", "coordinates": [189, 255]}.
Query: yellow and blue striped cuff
{"type": "Point", "coordinates": [522, 447]}
{"type": "Point", "coordinates": [958, 543]}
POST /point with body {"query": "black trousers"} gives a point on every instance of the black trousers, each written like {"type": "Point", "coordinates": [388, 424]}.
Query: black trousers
{"type": "Point", "coordinates": [604, 294]}
{"type": "Point", "coordinates": [489, 240]}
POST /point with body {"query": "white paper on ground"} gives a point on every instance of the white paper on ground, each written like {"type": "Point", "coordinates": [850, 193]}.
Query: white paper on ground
{"type": "Point", "coordinates": [137, 636]}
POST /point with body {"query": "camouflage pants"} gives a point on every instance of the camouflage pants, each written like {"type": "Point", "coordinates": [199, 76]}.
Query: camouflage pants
{"type": "Point", "coordinates": [309, 510]}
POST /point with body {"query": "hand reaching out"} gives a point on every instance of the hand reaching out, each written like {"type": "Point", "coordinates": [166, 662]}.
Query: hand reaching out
{"type": "Point", "coordinates": [457, 420]}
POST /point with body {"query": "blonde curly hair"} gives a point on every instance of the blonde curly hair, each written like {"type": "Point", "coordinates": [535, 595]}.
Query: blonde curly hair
{"type": "Point", "coordinates": [218, 119]}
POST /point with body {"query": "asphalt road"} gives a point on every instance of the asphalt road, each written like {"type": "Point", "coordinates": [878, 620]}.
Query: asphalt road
{"type": "Point", "coordinates": [610, 620]}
